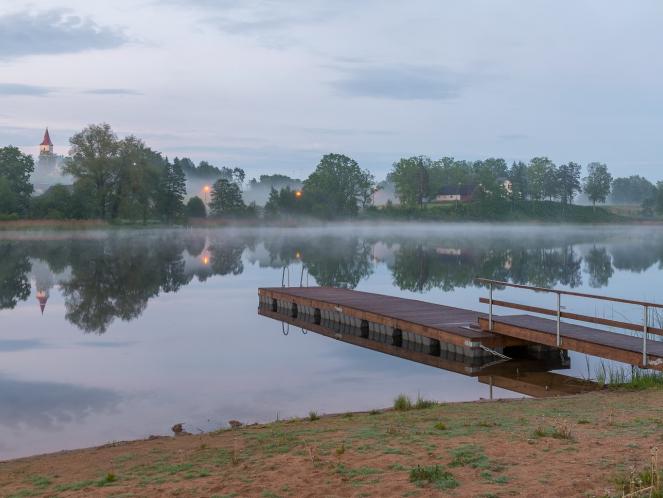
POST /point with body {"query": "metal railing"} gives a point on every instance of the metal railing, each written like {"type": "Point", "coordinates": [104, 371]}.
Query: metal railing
{"type": "Point", "coordinates": [645, 328]}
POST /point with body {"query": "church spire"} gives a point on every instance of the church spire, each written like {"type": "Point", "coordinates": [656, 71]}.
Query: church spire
{"type": "Point", "coordinates": [46, 146]}
{"type": "Point", "coordinates": [47, 138]}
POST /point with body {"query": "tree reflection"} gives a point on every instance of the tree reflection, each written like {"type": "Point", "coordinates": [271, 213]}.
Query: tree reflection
{"type": "Point", "coordinates": [598, 265]}
{"type": "Point", "coordinates": [106, 277]}
{"type": "Point", "coordinates": [14, 268]}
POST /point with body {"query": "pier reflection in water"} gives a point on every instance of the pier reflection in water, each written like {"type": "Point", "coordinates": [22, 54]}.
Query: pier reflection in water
{"type": "Point", "coordinates": [528, 370]}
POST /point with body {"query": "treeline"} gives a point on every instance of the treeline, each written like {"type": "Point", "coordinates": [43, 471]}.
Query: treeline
{"type": "Point", "coordinates": [124, 179]}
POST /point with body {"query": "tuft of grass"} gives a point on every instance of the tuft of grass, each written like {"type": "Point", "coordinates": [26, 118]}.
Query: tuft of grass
{"type": "Point", "coordinates": [469, 455]}
{"type": "Point", "coordinates": [618, 376]}
{"type": "Point", "coordinates": [435, 475]}
{"type": "Point", "coordinates": [560, 430]}
{"type": "Point", "coordinates": [375, 412]}
{"type": "Point", "coordinates": [402, 403]}
{"type": "Point", "coordinates": [422, 404]}
{"type": "Point", "coordinates": [313, 416]}
{"type": "Point", "coordinates": [440, 426]}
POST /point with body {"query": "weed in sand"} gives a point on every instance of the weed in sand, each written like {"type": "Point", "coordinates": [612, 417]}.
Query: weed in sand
{"type": "Point", "coordinates": [402, 403]}
{"type": "Point", "coordinates": [440, 426]}
{"type": "Point", "coordinates": [39, 481]}
{"type": "Point", "coordinates": [469, 455]}
{"type": "Point", "coordinates": [435, 475]}
{"type": "Point", "coordinates": [561, 430]}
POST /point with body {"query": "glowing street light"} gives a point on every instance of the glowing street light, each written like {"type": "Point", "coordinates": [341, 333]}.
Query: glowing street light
{"type": "Point", "coordinates": [298, 194]}
{"type": "Point", "coordinates": [206, 189]}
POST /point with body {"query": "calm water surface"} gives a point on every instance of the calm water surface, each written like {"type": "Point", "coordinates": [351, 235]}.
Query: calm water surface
{"type": "Point", "coordinates": [116, 335]}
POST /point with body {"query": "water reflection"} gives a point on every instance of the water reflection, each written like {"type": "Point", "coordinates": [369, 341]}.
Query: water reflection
{"type": "Point", "coordinates": [113, 276]}
{"type": "Point", "coordinates": [528, 371]}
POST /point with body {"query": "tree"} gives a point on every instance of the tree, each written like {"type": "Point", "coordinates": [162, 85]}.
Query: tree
{"type": "Point", "coordinates": [410, 177]}
{"type": "Point", "coordinates": [172, 190]}
{"type": "Point", "coordinates": [195, 208]}
{"type": "Point", "coordinates": [94, 157]}
{"type": "Point", "coordinates": [518, 177]}
{"type": "Point", "coordinates": [55, 203]}
{"type": "Point", "coordinates": [597, 182]}
{"type": "Point", "coordinates": [632, 190]}
{"type": "Point", "coordinates": [536, 177]}
{"type": "Point", "coordinates": [568, 177]}
{"type": "Point", "coordinates": [337, 187]}
{"type": "Point", "coordinates": [226, 198]}
{"type": "Point", "coordinates": [15, 186]}
{"type": "Point", "coordinates": [659, 198]}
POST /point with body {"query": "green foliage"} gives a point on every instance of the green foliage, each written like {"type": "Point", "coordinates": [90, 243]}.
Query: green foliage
{"type": "Point", "coordinates": [440, 426]}
{"type": "Point", "coordinates": [469, 455]}
{"type": "Point", "coordinates": [313, 416]}
{"type": "Point", "coordinates": [436, 475]}
{"type": "Point", "coordinates": [597, 183]}
{"type": "Point", "coordinates": [195, 208]}
{"type": "Point", "coordinates": [172, 190]}
{"type": "Point", "coordinates": [568, 177]}
{"type": "Point", "coordinates": [632, 190]}
{"type": "Point", "coordinates": [207, 171]}
{"type": "Point", "coordinates": [15, 186]}
{"type": "Point", "coordinates": [226, 199]}
{"type": "Point", "coordinates": [411, 178]}
{"type": "Point", "coordinates": [55, 203]}
{"type": "Point", "coordinates": [337, 187]}
{"type": "Point", "coordinates": [285, 201]}
{"type": "Point", "coordinates": [402, 403]}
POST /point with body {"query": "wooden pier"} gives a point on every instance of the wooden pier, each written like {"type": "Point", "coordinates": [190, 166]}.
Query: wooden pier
{"type": "Point", "coordinates": [466, 332]}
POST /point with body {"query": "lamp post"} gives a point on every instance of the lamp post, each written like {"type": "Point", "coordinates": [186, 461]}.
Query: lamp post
{"type": "Point", "coordinates": [206, 190]}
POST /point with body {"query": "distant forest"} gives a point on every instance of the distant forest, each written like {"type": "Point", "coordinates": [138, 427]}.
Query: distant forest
{"type": "Point", "coordinates": [125, 180]}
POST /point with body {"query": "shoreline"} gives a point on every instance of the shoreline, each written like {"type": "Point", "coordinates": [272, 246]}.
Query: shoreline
{"type": "Point", "coordinates": [575, 445]}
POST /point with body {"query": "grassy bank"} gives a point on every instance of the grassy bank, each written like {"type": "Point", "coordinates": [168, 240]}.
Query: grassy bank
{"type": "Point", "coordinates": [522, 211]}
{"type": "Point", "coordinates": [592, 445]}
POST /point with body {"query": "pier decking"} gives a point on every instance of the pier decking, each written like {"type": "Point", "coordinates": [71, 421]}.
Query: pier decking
{"type": "Point", "coordinates": [467, 332]}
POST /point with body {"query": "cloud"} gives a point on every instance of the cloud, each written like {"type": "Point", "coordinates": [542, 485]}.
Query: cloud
{"type": "Point", "coordinates": [112, 91]}
{"type": "Point", "coordinates": [405, 82]}
{"type": "Point", "coordinates": [15, 89]}
{"type": "Point", "coordinates": [13, 345]}
{"type": "Point", "coordinates": [48, 405]}
{"type": "Point", "coordinates": [53, 32]}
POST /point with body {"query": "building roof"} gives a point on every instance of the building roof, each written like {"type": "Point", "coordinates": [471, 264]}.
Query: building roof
{"type": "Point", "coordinates": [47, 139]}
{"type": "Point", "coordinates": [457, 190]}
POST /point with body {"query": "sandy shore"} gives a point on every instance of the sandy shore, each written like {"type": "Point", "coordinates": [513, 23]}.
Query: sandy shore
{"type": "Point", "coordinates": [585, 445]}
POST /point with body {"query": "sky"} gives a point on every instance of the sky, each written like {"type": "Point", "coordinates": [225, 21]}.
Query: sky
{"type": "Point", "coordinates": [271, 86]}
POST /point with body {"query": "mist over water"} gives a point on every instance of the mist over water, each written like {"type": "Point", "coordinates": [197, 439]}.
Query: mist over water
{"type": "Point", "coordinates": [142, 329]}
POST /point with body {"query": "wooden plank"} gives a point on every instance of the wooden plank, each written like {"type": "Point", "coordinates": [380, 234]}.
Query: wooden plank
{"type": "Point", "coordinates": [434, 321]}
{"type": "Point", "coordinates": [610, 345]}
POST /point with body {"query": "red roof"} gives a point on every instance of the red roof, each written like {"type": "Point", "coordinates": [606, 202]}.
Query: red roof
{"type": "Point", "coordinates": [47, 139]}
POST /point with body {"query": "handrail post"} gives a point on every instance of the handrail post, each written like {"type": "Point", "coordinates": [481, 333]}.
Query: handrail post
{"type": "Point", "coordinates": [490, 306]}
{"type": "Point", "coordinates": [559, 317]}
{"type": "Point", "coordinates": [645, 330]}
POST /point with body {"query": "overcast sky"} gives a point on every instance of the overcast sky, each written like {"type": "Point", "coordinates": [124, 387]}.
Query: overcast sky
{"type": "Point", "coordinates": [272, 85]}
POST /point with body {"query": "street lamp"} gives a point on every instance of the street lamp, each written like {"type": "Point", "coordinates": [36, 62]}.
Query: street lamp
{"type": "Point", "coordinates": [206, 189]}
{"type": "Point", "coordinates": [298, 194]}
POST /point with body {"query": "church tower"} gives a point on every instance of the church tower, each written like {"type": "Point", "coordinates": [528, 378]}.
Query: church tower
{"type": "Point", "coordinates": [46, 146]}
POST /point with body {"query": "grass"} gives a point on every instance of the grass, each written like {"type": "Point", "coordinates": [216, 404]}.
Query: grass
{"type": "Point", "coordinates": [435, 475]}
{"type": "Point", "coordinates": [404, 403]}
{"type": "Point", "coordinates": [440, 426]}
{"type": "Point", "coordinates": [469, 455]}
{"type": "Point", "coordinates": [619, 376]}
{"type": "Point", "coordinates": [560, 430]}
{"type": "Point", "coordinates": [313, 416]}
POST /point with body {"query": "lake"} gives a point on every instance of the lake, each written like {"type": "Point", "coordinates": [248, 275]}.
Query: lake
{"type": "Point", "coordinates": [119, 334]}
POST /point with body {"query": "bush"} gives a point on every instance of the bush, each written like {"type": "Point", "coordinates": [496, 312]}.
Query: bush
{"type": "Point", "coordinates": [402, 403]}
